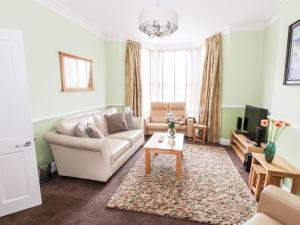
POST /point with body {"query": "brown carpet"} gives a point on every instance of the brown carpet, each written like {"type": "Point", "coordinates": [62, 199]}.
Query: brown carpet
{"type": "Point", "coordinates": [75, 201]}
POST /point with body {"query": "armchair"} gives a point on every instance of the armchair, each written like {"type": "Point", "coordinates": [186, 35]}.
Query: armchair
{"type": "Point", "coordinates": [276, 207]}
{"type": "Point", "coordinates": [157, 120]}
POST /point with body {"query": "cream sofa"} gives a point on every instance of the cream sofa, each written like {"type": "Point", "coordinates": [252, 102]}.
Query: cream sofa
{"type": "Point", "coordinates": [94, 159]}
{"type": "Point", "coordinates": [276, 207]}
{"type": "Point", "coordinates": [157, 120]}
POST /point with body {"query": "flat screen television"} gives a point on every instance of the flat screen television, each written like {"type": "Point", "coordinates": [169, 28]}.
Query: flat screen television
{"type": "Point", "coordinates": [253, 116]}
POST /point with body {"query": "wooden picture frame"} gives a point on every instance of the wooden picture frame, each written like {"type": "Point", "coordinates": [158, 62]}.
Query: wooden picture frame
{"type": "Point", "coordinates": [292, 64]}
{"type": "Point", "coordinates": [86, 76]}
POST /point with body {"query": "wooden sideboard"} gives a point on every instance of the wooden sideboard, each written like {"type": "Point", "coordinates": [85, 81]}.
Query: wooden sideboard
{"type": "Point", "coordinates": [242, 145]}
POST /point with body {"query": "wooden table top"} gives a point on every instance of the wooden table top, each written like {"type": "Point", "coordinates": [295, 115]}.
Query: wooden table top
{"type": "Point", "coordinates": [167, 144]}
{"type": "Point", "coordinates": [279, 165]}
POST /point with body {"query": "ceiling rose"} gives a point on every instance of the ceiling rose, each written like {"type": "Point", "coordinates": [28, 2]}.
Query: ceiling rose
{"type": "Point", "coordinates": [158, 22]}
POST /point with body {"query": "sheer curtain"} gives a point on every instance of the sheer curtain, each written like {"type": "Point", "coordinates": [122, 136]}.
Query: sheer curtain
{"type": "Point", "coordinates": [172, 75]}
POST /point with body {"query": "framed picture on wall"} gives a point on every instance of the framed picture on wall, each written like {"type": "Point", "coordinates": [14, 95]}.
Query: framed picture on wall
{"type": "Point", "coordinates": [292, 64]}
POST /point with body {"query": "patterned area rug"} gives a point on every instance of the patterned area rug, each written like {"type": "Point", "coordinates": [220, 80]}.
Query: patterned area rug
{"type": "Point", "coordinates": [210, 189]}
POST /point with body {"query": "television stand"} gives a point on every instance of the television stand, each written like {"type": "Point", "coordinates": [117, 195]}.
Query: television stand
{"type": "Point", "coordinates": [241, 132]}
{"type": "Point", "coordinates": [242, 145]}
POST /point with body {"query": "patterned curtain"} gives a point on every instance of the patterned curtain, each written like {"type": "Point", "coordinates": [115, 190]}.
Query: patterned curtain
{"type": "Point", "coordinates": [210, 95]}
{"type": "Point", "coordinates": [133, 93]}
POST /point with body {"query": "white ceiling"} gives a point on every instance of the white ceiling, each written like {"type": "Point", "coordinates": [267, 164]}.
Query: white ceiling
{"type": "Point", "coordinates": [118, 19]}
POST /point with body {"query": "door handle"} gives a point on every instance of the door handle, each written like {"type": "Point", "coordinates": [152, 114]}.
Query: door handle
{"type": "Point", "coordinates": [27, 144]}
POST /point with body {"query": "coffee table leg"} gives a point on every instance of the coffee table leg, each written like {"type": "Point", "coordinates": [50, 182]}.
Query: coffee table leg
{"type": "Point", "coordinates": [147, 161]}
{"type": "Point", "coordinates": [178, 164]}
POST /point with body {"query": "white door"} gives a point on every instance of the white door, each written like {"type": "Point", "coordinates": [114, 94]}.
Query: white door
{"type": "Point", "coordinates": [19, 183]}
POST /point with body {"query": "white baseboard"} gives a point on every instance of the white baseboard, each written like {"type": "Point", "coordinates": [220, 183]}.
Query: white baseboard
{"type": "Point", "coordinates": [225, 141]}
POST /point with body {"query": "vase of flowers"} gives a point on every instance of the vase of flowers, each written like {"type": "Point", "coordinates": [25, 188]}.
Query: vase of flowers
{"type": "Point", "coordinates": [171, 126]}
{"type": "Point", "coordinates": [274, 130]}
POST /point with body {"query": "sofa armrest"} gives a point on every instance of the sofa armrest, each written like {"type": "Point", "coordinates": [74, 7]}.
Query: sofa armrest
{"type": "Point", "coordinates": [139, 123]}
{"type": "Point", "coordinates": [146, 119]}
{"type": "Point", "coordinates": [146, 122]}
{"type": "Point", "coordinates": [85, 144]}
{"type": "Point", "coordinates": [189, 127]}
{"type": "Point", "coordinates": [280, 205]}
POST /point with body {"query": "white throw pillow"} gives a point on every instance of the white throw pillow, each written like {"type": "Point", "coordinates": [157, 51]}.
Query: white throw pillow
{"type": "Point", "coordinates": [67, 126]}
{"type": "Point", "coordinates": [100, 122]}
{"type": "Point", "coordinates": [81, 129]}
{"type": "Point", "coordinates": [93, 131]}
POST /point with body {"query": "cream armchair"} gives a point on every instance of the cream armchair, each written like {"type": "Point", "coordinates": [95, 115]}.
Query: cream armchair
{"type": "Point", "coordinates": [157, 120]}
{"type": "Point", "coordinates": [276, 207]}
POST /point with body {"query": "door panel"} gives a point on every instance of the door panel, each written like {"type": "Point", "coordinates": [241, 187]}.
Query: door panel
{"type": "Point", "coordinates": [19, 183]}
{"type": "Point", "coordinates": [13, 162]}
{"type": "Point", "coordinates": [7, 97]}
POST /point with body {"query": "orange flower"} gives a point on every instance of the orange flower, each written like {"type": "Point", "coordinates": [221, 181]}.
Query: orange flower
{"type": "Point", "coordinates": [278, 124]}
{"type": "Point", "coordinates": [264, 123]}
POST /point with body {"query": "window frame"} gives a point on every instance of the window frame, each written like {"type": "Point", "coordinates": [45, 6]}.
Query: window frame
{"type": "Point", "coordinates": [62, 55]}
{"type": "Point", "coordinates": [192, 69]}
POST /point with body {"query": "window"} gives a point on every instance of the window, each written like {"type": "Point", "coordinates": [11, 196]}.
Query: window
{"type": "Point", "coordinates": [76, 73]}
{"type": "Point", "coordinates": [172, 75]}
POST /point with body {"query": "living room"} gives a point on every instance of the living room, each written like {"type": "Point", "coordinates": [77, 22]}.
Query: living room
{"type": "Point", "coordinates": [182, 95]}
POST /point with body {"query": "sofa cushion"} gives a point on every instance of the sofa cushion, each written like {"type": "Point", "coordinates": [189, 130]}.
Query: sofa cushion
{"type": "Point", "coordinates": [159, 111]}
{"type": "Point", "coordinates": [261, 219]}
{"type": "Point", "coordinates": [177, 108]}
{"type": "Point", "coordinates": [93, 131]}
{"type": "Point", "coordinates": [100, 122]}
{"type": "Point", "coordinates": [130, 120]}
{"type": "Point", "coordinates": [68, 126]}
{"type": "Point", "coordinates": [131, 135]}
{"type": "Point", "coordinates": [116, 122]}
{"type": "Point", "coordinates": [180, 127]}
{"type": "Point", "coordinates": [158, 119]}
{"type": "Point", "coordinates": [157, 126]}
{"type": "Point", "coordinates": [117, 148]}
{"type": "Point", "coordinates": [81, 129]}
{"type": "Point", "coordinates": [159, 105]}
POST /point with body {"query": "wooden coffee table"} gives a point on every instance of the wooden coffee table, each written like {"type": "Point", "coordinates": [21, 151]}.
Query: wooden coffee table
{"type": "Point", "coordinates": [168, 147]}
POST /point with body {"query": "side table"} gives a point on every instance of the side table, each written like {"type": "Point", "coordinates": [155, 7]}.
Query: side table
{"type": "Point", "coordinates": [197, 129]}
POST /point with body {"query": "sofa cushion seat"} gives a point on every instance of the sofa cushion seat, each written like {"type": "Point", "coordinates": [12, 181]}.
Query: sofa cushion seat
{"type": "Point", "coordinates": [158, 119]}
{"type": "Point", "coordinates": [117, 148]}
{"type": "Point", "coordinates": [180, 127]}
{"type": "Point", "coordinates": [157, 126]}
{"type": "Point", "coordinates": [131, 135]}
{"type": "Point", "coordinates": [260, 219]}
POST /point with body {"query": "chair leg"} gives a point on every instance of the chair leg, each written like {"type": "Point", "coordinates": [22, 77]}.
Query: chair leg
{"type": "Point", "coordinates": [259, 186]}
{"type": "Point", "coordinates": [203, 136]}
{"type": "Point", "coordinates": [253, 180]}
{"type": "Point", "coordinates": [194, 136]}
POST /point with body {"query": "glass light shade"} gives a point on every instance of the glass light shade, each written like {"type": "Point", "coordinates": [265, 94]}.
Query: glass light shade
{"type": "Point", "coordinates": [158, 22]}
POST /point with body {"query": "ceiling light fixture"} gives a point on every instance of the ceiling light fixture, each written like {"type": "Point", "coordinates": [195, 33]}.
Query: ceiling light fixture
{"type": "Point", "coordinates": [158, 22]}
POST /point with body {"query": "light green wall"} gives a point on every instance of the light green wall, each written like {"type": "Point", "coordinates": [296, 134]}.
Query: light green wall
{"type": "Point", "coordinates": [242, 68]}
{"type": "Point", "coordinates": [285, 99]}
{"type": "Point", "coordinates": [115, 53]}
{"type": "Point", "coordinates": [45, 33]}
{"type": "Point", "coordinates": [270, 56]}
{"type": "Point", "coordinates": [243, 53]}
{"type": "Point", "coordinates": [229, 119]}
